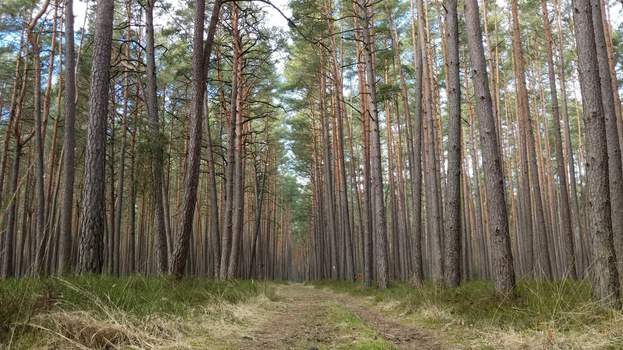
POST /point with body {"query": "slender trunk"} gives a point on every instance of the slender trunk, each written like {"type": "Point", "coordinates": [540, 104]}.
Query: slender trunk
{"type": "Point", "coordinates": [39, 168]}
{"type": "Point", "coordinates": [375, 150]}
{"type": "Point", "coordinates": [416, 179]}
{"type": "Point", "coordinates": [367, 202]}
{"type": "Point", "coordinates": [433, 204]}
{"type": "Point", "coordinates": [259, 201]}
{"type": "Point", "coordinates": [238, 179]}
{"type": "Point", "coordinates": [615, 170]}
{"type": "Point", "coordinates": [565, 211]}
{"type": "Point", "coordinates": [575, 207]}
{"type": "Point", "coordinates": [156, 143]}
{"type": "Point", "coordinates": [328, 178]}
{"type": "Point", "coordinates": [604, 272]}
{"type": "Point", "coordinates": [131, 236]}
{"type": "Point", "coordinates": [12, 108]}
{"type": "Point", "coordinates": [339, 99]}
{"type": "Point", "coordinates": [503, 274]}
{"type": "Point", "coordinates": [541, 233]}
{"type": "Point", "coordinates": [9, 233]}
{"type": "Point", "coordinates": [452, 241]}
{"type": "Point", "coordinates": [200, 57]}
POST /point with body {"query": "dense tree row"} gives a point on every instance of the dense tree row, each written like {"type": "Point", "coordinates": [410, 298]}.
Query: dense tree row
{"type": "Point", "coordinates": [406, 140]}
{"type": "Point", "coordinates": [429, 80]}
{"type": "Point", "coordinates": [114, 192]}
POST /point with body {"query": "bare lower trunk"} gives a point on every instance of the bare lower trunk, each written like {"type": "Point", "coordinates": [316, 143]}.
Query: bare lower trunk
{"type": "Point", "coordinates": [69, 144]}
{"type": "Point", "coordinates": [565, 211]}
{"type": "Point", "coordinates": [433, 205]}
{"type": "Point", "coordinates": [93, 224]}
{"type": "Point", "coordinates": [191, 178]}
{"type": "Point", "coordinates": [604, 273]}
{"type": "Point", "coordinates": [156, 143]}
{"type": "Point", "coordinates": [615, 171]}
{"type": "Point", "coordinates": [452, 241]}
{"type": "Point", "coordinates": [375, 154]}
{"type": "Point", "coordinates": [416, 177]}
{"type": "Point", "coordinates": [503, 273]}
{"type": "Point", "coordinates": [544, 263]}
{"type": "Point", "coordinates": [39, 176]}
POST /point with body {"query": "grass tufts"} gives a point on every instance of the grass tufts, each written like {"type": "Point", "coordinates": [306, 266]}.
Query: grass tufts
{"type": "Point", "coordinates": [102, 312]}
{"type": "Point", "coordinates": [559, 314]}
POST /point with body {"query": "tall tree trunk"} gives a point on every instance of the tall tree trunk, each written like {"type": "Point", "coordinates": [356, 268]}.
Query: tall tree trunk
{"type": "Point", "coordinates": [452, 241]}
{"type": "Point", "coordinates": [131, 235]}
{"type": "Point", "coordinates": [39, 169]}
{"type": "Point", "coordinates": [393, 202]}
{"type": "Point", "coordinates": [5, 243]}
{"type": "Point", "coordinates": [259, 201]}
{"type": "Point", "coordinates": [522, 95]}
{"type": "Point", "coordinates": [375, 154]}
{"type": "Point", "coordinates": [405, 103]}
{"type": "Point", "coordinates": [8, 269]}
{"type": "Point", "coordinates": [226, 245]}
{"type": "Point", "coordinates": [503, 271]}
{"type": "Point", "coordinates": [433, 205]}
{"type": "Point", "coordinates": [560, 164]}
{"type": "Point", "coordinates": [604, 272]}
{"type": "Point", "coordinates": [416, 178]}
{"type": "Point", "coordinates": [339, 99]}
{"type": "Point", "coordinates": [615, 170]}
{"type": "Point", "coordinates": [191, 178]}
{"type": "Point", "coordinates": [93, 206]}
{"type": "Point", "coordinates": [213, 200]}
{"type": "Point", "coordinates": [238, 179]}
{"type": "Point", "coordinates": [328, 178]}
{"type": "Point", "coordinates": [12, 108]}
{"type": "Point", "coordinates": [365, 130]}
{"type": "Point", "coordinates": [156, 142]}
{"type": "Point", "coordinates": [575, 207]}
{"type": "Point", "coordinates": [69, 144]}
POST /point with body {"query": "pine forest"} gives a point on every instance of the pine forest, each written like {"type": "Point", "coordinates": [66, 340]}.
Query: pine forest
{"type": "Point", "coordinates": [458, 156]}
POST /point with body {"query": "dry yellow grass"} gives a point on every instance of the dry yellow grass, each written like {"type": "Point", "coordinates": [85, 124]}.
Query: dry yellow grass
{"type": "Point", "coordinates": [104, 325]}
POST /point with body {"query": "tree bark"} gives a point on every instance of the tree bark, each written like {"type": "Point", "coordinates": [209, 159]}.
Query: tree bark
{"type": "Point", "coordinates": [375, 150]}
{"type": "Point", "coordinates": [452, 241]}
{"type": "Point", "coordinates": [343, 195]}
{"type": "Point", "coordinates": [416, 178]}
{"type": "Point", "coordinates": [69, 144]}
{"type": "Point", "coordinates": [93, 206]}
{"type": "Point", "coordinates": [433, 205]}
{"type": "Point", "coordinates": [604, 272]}
{"type": "Point", "coordinates": [575, 207]}
{"type": "Point", "coordinates": [565, 211]}
{"type": "Point", "coordinates": [238, 179]}
{"type": "Point", "coordinates": [526, 122]}
{"type": "Point", "coordinates": [39, 169]}
{"type": "Point", "coordinates": [156, 143]}
{"type": "Point", "coordinates": [503, 271]}
{"type": "Point", "coordinates": [615, 170]}
{"type": "Point", "coordinates": [191, 178]}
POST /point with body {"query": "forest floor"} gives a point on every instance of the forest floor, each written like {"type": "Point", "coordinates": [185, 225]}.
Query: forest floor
{"type": "Point", "coordinates": [304, 317]}
{"type": "Point", "coordinates": [101, 312]}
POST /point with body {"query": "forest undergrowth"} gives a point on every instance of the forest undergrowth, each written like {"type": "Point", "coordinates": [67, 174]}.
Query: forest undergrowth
{"type": "Point", "coordinates": [102, 312]}
{"type": "Point", "coordinates": [547, 315]}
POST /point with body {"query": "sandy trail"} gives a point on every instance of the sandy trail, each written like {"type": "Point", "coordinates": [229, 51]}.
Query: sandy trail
{"type": "Point", "coordinates": [308, 318]}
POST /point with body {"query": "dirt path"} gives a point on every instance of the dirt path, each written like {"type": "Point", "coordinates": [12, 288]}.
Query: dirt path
{"type": "Point", "coordinates": [309, 318]}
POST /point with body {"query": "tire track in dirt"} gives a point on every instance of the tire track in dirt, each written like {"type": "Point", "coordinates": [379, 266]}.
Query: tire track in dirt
{"type": "Point", "coordinates": [304, 318]}
{"type": "Point", "coordinates": [401, 335]}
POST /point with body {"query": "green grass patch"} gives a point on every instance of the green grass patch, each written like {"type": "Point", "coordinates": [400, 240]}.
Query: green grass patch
{"type": "Point", "coordinates": [136, 298]}
{"type": "Point", "coordinates": [357, 334]}
{"type": "Point", "coordinates": [563, 305]}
